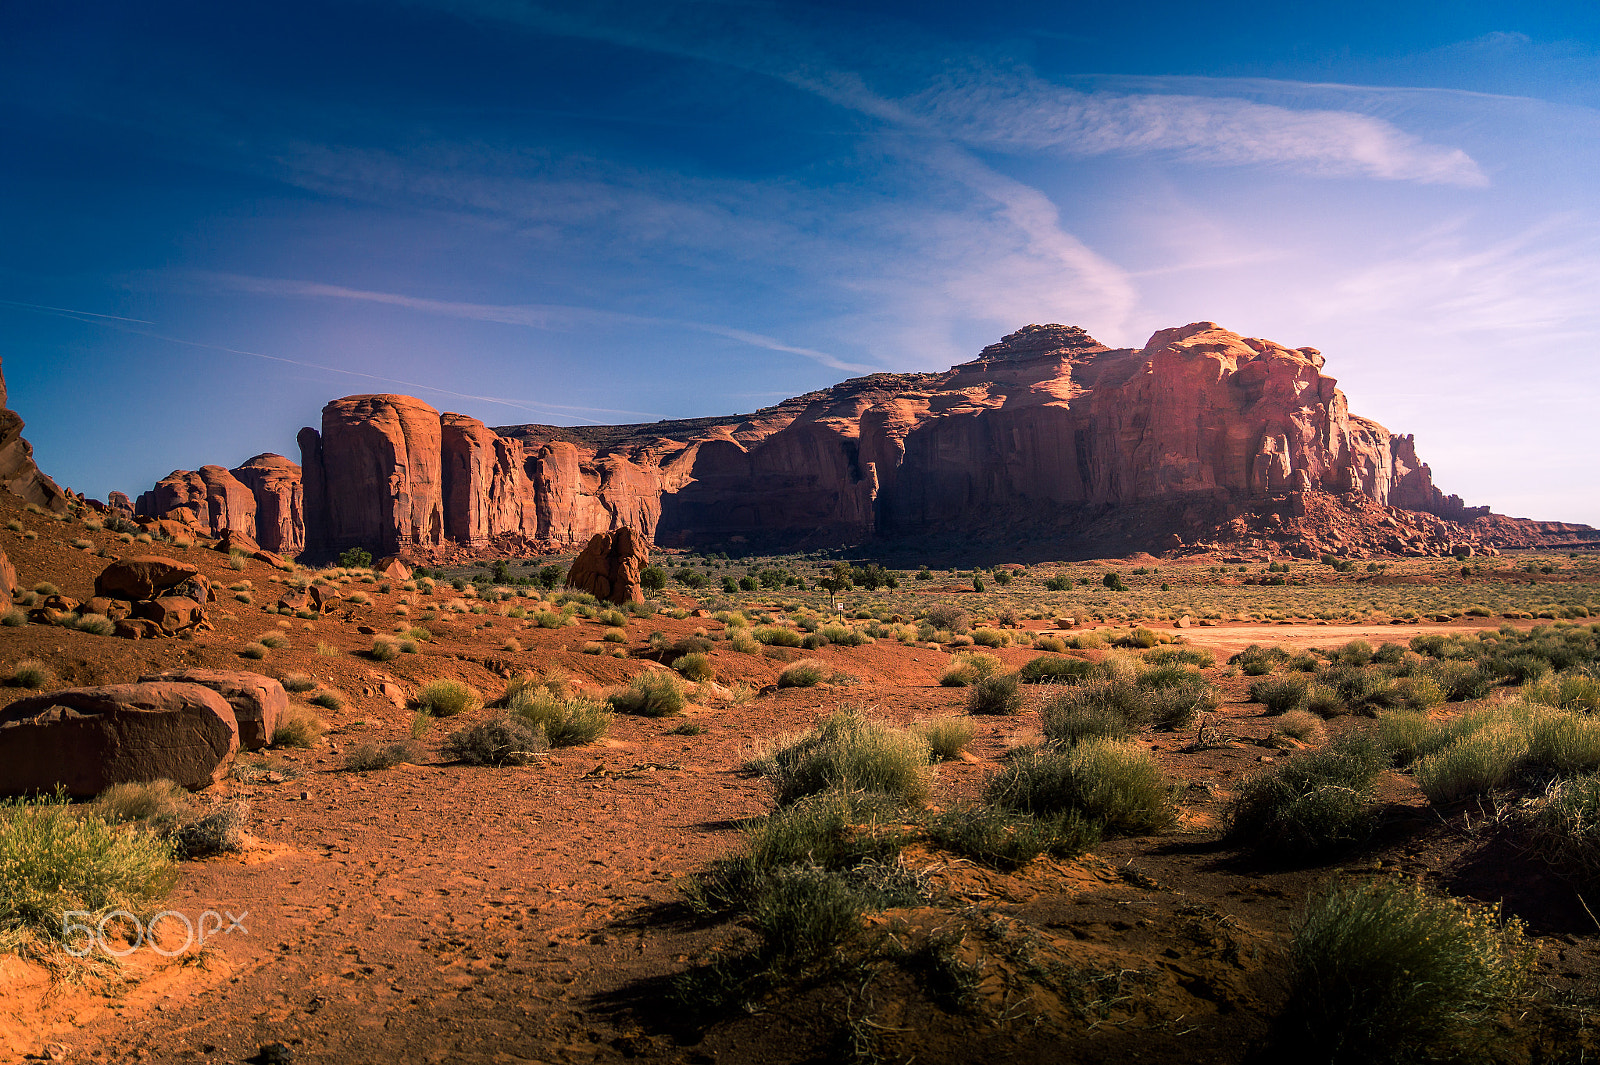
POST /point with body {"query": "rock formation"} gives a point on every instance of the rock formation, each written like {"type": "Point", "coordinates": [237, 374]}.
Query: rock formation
{"type": "Point", "coordinates": [610, 566]}
{"type": "Point", "coordinates": [1048, 431]}
{"type": "Point", "coordinates": [87, 739]}
{"type": "Point", "coordinates": [280, 503]}
{"type": "Point", "coordinates": [210, 499]}
{"type": "Point", "coordinates": [18, 474]}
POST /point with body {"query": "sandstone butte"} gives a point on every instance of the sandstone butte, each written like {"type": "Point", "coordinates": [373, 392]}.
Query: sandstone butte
{"type": "Point", "coordinates": [1201, 440]}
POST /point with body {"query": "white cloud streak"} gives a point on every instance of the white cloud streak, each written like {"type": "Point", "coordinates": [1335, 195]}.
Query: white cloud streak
{"type": "Point", "coordinates": [530, 315]}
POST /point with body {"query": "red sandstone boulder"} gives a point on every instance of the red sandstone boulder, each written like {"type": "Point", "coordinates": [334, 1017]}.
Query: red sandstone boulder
{"type": "Point", "coordinates": [172, 614]}
{"type": "Point", "coordinates": [295, 601]}
{"type": "Point", "coordinates": [136, 629]}
{"type": "Point", "coordinates": [258, 702]}
{"type": "Point", "coordinates": [393, 569]}
{"type": "Point", "coordinates": [609, 567]}
{"type": "Point", "coordinates": [87, 739]}
{"type": "Point", "coordinates": [142, 577]}
{"type": "Point", "coordinates": [233, 540]}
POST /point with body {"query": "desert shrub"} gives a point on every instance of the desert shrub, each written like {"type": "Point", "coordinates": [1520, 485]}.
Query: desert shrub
{"type": "Point", "coordinates": [552, 619]}
{"type": "Point", "coordinates": [989, 637]}
{"type": "Point", "coordinates": [1323, 701]}
{"type": "Point", "coordinates": [95, 624]}
{"type": "Point", "coordinates": [696, 667]}
{"type": "Point", "coordinates": [968, 667]}
{"type": "Point", "coordinates": [298, 682]}
{"type": "Point", "coordinates": [1383, 972]}
{"type": "Point", "coordinates": [218, 831]}
{"type": "Point", "coordinates": [156, 802]}
{"type": "Point", "coordinates": [1258, 661]}
{"type": "Point", "coordinates": [1303, 663]}
{"type": "Point", "coordinates": [1312, 804]}
{"type": "Point", "coordinates": [58, 858]}
{"type": "Point", "coordinates": [1389, 653]}
{"type": "Point", "coordinates": [447, 698]}
{"type": "Point", "coordinates": [744, 643]}
{"type": "Point", "coordinates": [813, 640]}
{"type": "Point", "coordinates": [31, 673]}
{"type": "Point", "coordinates": [328, 699]}
{"type": "Point", "coordinates": [1419, 693]}
{"type": "Point", "coordinates": [272, 639]}
{"type": "Point", "coordinates": [14, 618]}
{"type": "Point", "coordinates": [946, 736]}
{"type": "Point", "coordinates": [1354, 653]}
{"type": "Point", "coordinates": [1137, 638]}
{"type": "Point", "coordinates": [1055, 669]}
{"type": "Point", "coordinates": [1006, 839]}
{"type": "Point", "coordinates": [371, 756]}
{"type": "Point", "coordinates": [1181, 656]}
{"type": "Point", "coordinates": [853, 751]}
{"type": "Point", "coordinates": [805, 673]}
{"type": "Point", "coordinates": [1299, 725]}
{"type": "Point", "coordinates": [776, 636]}
{"type": "Point", "coordinates": [655, 694]}
{"type": "Point", "coordinates": [1279, 694]}
{"type": "Point", "coordinates": [1116, 787]}
{"type": "Point", "coordinates": [945, 617]}
{"type": "Point", "coordinates": [997, 694]}
{"type": "Point", "coordinates": [1407, 736]}
{"type": "Point", "coordinates": [1175, 696]}
{"type": "Point", "coordinates": [1102, 708]}
{"type": "Point", "coordinates": [253, 651]}
{"type": "Point", "coordinates": [384, 649]}
{"type": "Point", "coordinates": [566, 722]}
{"type": "Point", "coordinates": [1360, 687]}
{"type": "Point", "coordinates": [325, 648]}
{"type": "Point", "coordinates": [497, 743]}
{"type": "Point", "coordinates": [1482, 761]}
{"type": "Point", "coordinates": [1049, 643]}
{"type": "Point", "coordinates": [1561, 742]}
{"type": "Point", "coordinates": [298, 727]}
{"type": "Point", "coordinates": [688, 645]}
{"type": "Point", "coordinates": [1564, 828]}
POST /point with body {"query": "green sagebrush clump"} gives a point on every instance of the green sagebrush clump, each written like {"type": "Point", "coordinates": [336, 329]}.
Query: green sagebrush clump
{"type": "Point", "coordinates": [1564, 828]}
{"type": "Point", "coordinates": [1057, 669]}
{"type": "Point", "coordinates": [56, 857]}
{"type": "Point", "coordinates": [852, 751]}
{"type": "Point", "coordinates": [447, 698]}
{"type": "Point", "coordinates": [565, 722]}
{"type": "Point", "coordinates": [1114, 787]}
{"type": "Point", "coordinates": [1258, 661]}
{"type": "Point", "coordinates": [996, 694]}
{"type": "Point", "coordinates": [969, 667]}
{"type": "Point", "coordinates": [1006, 839]}
{"type": "Point", "coordinates": [371, 757]}
{"type": "Point", "coordinates": [1497, 748]}
{"type": "Point", "coordinates": [1385, 973]}
{"type": "Point", "coordinates": [946, 736]}
{"type": "Point", "coordinates": [649, 695]}
{"type": "Point", "coordinates": [1168, 698]}
{"type": "Point", "coordinates": [1313, 804]}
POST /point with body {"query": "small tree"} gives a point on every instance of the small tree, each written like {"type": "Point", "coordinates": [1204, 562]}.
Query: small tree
{"type": "Point", "coordinates": [652, 578]}
{"type": "Point", "coordinates": [729, 585]}
{"type": "Point", "coordinates": [356, 558]}
{"type": "Point", "coordinates": [1114, 581]}
{"type": "Point", "coordinates": [550, 576]}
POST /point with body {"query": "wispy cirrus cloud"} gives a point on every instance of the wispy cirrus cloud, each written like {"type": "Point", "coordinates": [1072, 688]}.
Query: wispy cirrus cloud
{"type": "Point", "coordinates": [530, 315]}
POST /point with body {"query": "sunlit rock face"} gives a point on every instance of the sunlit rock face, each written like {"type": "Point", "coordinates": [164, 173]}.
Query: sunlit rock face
{"type": "Point", "coordinates": [1045, 426]}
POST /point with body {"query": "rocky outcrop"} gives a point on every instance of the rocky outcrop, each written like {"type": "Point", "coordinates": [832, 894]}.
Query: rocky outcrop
{"type": "Point", "coordinates": [280, 502]}
{"type": "Point", "coordinates": [18, 474]}
{"type": "Point", "coordinates": [258, 702]}
{"type": "Point", "coordinates": [610, 566]}
{"type": "Point", "coordinates": [87, 739]}
{"type": "Point", "coordinates": [1047, 431]}
{"type": "Point", "coordinates": [373, 476]}
{"type": "Point", "coordinates": [211, 500]}
{"type": "Point", "coordinates": [142, 577]}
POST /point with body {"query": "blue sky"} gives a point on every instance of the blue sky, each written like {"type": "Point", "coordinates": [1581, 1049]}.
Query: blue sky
{"type": "Point", "coordinates": [216, 217]}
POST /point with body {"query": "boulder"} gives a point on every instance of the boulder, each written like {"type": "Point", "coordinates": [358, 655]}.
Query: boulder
{"type": "Point", "coordinates": [64, 603]}
{"type": "Point", "coordinates": [87, 739]}
{"type": "Point", "coordinates": [394, 569]}
{"type": "Point", "coordinates": [295, 601]}
{"type": "Point", "coordinates": [136, 629]}
{"type": "Point", "coordinates": [142, 577]}
{"type": "Point", "coordinates": [258, 702]}
{"type": "Point", "coordinates": [233, 540]}
{"type": "Point", "coordinates": [176, 531]}
{"type": "Point", "coordinates": [609, 567]}
{"type": "Point", "coordinates": [171, 613]}
{"type": "Point", "coordinates": [322, 597]}
{"type": "Point", "coordinates": [274, 560]}
{"type": "Point", "coordinates": [115, 609]}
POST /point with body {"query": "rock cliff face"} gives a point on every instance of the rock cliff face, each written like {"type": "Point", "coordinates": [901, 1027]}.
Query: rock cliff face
{"type": "Point", "coordinates": [280, 502]}
{"type": "Point", "coordinates": [18, 474]}
{"type": "Point", "coordinates": [211, 499]}
{"type": "Point", "coordinates": [1166, 445]}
